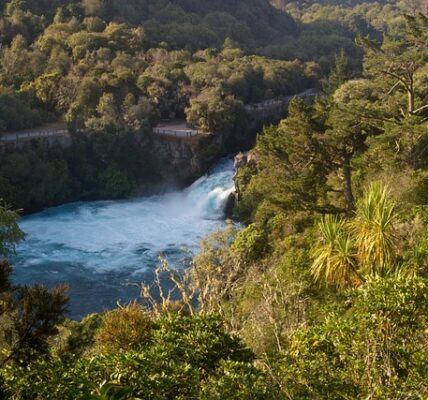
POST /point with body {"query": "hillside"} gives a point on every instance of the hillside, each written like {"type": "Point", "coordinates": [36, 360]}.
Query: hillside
{"type": "Point", "coordinates": [115, 71]}
{"type": "Point", "coordinates": [180, 23]}
{"type": "Point", "coordinates": [316, 289]}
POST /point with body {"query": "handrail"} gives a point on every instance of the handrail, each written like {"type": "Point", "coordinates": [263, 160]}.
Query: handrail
{"type": "Point", "coordinates": [176, 132]}
{"type": "Point", "coordinates": [15, 136]}
{"type": "Point", "coordinates": [278, 101]}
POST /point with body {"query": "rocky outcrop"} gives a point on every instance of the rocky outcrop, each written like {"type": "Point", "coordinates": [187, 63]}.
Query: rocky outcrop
{"type": "Point", "coordinates": [183, 160]}
{"type": "Point", "coordinates": [11, 143]}
{"type": "Point", "coordinates": [243, 160]}
{"type": "Point", "coordinates": [246, 159]}
{"type": "Point", "coordinates": [230, 206]}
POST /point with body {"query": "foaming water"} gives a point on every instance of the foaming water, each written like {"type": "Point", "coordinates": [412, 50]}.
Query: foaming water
{"type": "Point", "coordinates": [104, 249]}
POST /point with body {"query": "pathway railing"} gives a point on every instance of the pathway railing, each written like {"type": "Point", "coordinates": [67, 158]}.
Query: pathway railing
{"type": "Point", "coordinates": [278, 102]}
{"type": "Point", "coordinates": [34, 134]}
{"type": "Point", "coordinates": [177, 133]}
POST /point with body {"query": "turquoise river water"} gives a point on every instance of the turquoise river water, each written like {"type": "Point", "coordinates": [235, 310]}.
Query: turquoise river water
{"type": "Point", "coordinates": [104, 249]}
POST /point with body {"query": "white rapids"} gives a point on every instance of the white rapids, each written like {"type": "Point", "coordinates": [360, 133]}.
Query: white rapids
{"type": "Point", "coordinates": [102, 248]}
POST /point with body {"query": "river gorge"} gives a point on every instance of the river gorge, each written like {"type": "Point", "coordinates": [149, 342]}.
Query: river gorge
{"type": "Point", "coordinates": [103, 250]}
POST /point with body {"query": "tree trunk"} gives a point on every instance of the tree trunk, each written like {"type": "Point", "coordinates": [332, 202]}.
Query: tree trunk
{"type": "Point", "coordinates": [347, 180]}
{"type": "Point", "coordinates": [411, 96]}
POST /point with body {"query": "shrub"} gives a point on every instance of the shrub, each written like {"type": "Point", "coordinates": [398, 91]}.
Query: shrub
{"type": "Point", "coordinates": [125, 328]}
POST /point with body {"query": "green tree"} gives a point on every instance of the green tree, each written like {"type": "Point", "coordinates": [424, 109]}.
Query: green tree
{"type": "Point", "coordinates": [213, 111]}
{"type": "Point", "coordinates": [15, 114]}
{"type": "Point", "coordinates": [107, 117]}
{"type": "Point", "coordinates": [339, 73]}
{"type": "Point", "coordinates": [345, 139]}
{"type": "Point", "coordinates": [34, 314]}
{"type": "Point", "coordinates": [291, 161]}
{"type": "Point", "coordinates": [10, 233]}
{"type": "Point", "coordinates": [395, 68]}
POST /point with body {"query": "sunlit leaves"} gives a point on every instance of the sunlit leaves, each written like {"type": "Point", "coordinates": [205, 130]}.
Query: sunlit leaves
{"type": "Point", "coordinates": [374, 230]}
{"type": "Point", "coordinates": [334, 258]}
{"type": "Point", "coordinates": [364, 245]}
{"type": "Point", "coordinates": [10, 233]}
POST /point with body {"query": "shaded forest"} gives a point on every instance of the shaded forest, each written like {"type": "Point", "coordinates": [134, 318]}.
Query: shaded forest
{"type": "Point", "coordinates": [321, 290]}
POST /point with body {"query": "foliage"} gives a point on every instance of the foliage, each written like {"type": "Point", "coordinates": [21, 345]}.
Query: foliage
{"type": "Point", "coordinates": [213, 111]}
{"type": "Point", "coordinates": [77, 337]}
{"type": "Point", "coordinates": [250, 244]}
{"type": "Point", "coordinates": [125, 328]}
{"type": "Point", "coordinates": [15, 114]}
{"type": "Point", "coordinates": [334, 257]}
{"type": "Point", "coordinates": [29, 315]}
{"type": "Point", "coordinates": [364, 245]}
{"type": "Point", "coordinates": [374, 226]}
{"type": "Point", "coordinates": [252, 321]}
{"type": "Point", "coordinates": [240, 381]}
{"type": "Point", "coordinates": [291, 166]}
{"type": "Point", "coordinates": [10, 233]}
{"type": "Point", "coordinates": [375, 349]}
{"type": "Point", "coordinates": [183, 354]}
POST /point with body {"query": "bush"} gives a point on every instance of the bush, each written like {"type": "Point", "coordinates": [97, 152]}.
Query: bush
{"type": "Point", "coordinates": [15, 114]}
{"type": "Point", "coordinates": [125, 328]}
{"type": "Point", "coordinates": [250, 244]}
{"type": "Point", "coordinates": [183, 353]}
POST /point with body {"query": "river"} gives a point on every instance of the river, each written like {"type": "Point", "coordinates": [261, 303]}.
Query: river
{"type": "Point", "coordinates": [104, 249]}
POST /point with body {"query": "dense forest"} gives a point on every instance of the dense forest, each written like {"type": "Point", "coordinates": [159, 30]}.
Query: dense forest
{"type": "Point", "coordinates": [321, 290]}
{"type": "Point", "coordinates": [118, 70]}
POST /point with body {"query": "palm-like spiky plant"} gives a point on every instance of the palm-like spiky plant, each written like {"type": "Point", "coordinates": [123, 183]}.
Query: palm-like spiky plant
{"type": "Point", "coordinates": [335, 257]}
{"type": "Point", "coordinates": [374, 231]}
{"type": "Point", "coordinates": [366, 245]}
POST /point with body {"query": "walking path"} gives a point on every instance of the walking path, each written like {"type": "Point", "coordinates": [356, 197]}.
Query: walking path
{"type": "Point", "coordinates": [173, 128]}
{"type": "Point", "coordinates": [47, 130]}
{"type": "Point", "coordinates": [177, 128]}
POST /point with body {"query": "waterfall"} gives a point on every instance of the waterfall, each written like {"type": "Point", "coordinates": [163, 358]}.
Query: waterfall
{"type": "Point", "coordinates": [209, 194]}
{"type": "Point", "coordinates": [101, 247]}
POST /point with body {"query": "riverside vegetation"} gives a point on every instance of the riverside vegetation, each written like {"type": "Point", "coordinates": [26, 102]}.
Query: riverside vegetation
{"type": "Point", "coordinates": [323, 294]}
{"type": "Point", "coordinates": [116, 70]}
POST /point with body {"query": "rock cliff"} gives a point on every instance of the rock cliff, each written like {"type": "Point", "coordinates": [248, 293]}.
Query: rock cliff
{"type": "Point", "coordinates": [183, 160]}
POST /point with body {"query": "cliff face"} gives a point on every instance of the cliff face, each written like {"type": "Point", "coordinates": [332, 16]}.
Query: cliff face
{"type": "Point", "coordinates": [12, 142]}
{"type": "Point", "coordinates": [183, 160]}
